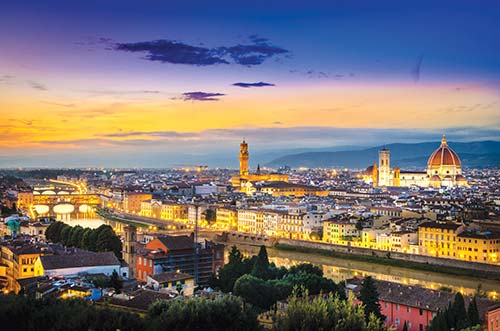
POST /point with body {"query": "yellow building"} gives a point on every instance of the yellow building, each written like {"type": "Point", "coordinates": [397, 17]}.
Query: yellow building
{"type": "Point", "coordinates": [175, 212]}
{"type": "Point", "coordinates": [251, 221]}
{"type": "Point", "coordinates": [245, 176]}
{"type": "Point", "coordinates": [439, 238]}
{"type": "Point", "coordinates": [132, 201]}
{"type": "Point", "coordinates": [227, 218]}
{"type": "Point", "coordinates": [339, 231]}
{"type": "Point", "coordinates": [24, 200]}
{"type": "Point", "coordinates": [20, 263]}
{"type": "Point", "coordinates": [479, 247]}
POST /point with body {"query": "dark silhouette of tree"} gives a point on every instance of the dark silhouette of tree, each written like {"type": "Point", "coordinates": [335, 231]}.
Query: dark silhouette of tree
{"type": "Point", "coordinates": [473, 313]}
{"type": "Point", "coordinates": [369, 297]}
{"type": "Point", "coordinates": [261, 266]}
{"type": "Point", "coordinates": [115, 281]}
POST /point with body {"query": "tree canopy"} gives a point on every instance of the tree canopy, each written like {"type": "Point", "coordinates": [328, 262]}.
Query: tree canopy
{"type": "Point", "coordinates": [102, 239]}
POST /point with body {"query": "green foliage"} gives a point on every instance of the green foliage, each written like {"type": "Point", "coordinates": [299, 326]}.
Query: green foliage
{"type": "Point", "coordinates": [324, 312]}
{"type": "Point", "coordinates": [261, 266]}
{"type": "Point", "coordinates": [22, 313]}
{"type": "Point", "coordinates": [234, 269]}
{"type": "Point", "coordinates": [223, 313]}
{"type": "Point", "coordinates": [102, 239]}
{"type": "Point", "coordinates": [307, 268]}
{"type": "Point", "coordinates": [259, 292]}
{"type": "Point", "coordinates": [473, 313]}
{"type": "Point", "coordinates": [210, 216]}
{"type": "Point", "coordinates": [369, 297]}
{"type": "Point", "coordinates": [455, 317]}
{"type": "Point", "coordinates": [262, 284]}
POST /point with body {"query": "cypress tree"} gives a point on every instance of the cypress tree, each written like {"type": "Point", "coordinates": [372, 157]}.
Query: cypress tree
{"type": "Point", "coordinates": [369, 297]}
{"type": "Point", "coordinates": [473, 313]}
{"type": "Point", "coordinates": [459, 313]}
{"type": "Point", "coordinates": [261, 266]}
{"type": "Point", "coordinates": [405, 327]}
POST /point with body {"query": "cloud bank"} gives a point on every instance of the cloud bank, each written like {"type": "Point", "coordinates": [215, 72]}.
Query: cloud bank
{"type": "Point", "coordinates": [254, 53]}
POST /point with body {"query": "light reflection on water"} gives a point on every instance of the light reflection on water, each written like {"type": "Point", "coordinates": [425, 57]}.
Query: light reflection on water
{"type": "Point", "coordinates": [339, 270]}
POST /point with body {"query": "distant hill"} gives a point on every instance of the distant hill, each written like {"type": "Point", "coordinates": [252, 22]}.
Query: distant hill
{"type": "Point", "coordinates": [473, 154]}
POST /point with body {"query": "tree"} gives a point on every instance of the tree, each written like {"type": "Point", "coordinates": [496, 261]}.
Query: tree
{"type": "Point", "coordinates": [107, 241]}
{"type": "Point", "coordinates": [369, 297]}
{"type": "Point", "coordinates": [307, 268]}
{"type": "Point", "coordinates": [261, 266]}
{"type": "Point", "coordinates": [257, 291]}
{"type": "Point", "coordinates": [324, 312]}
{"type": "Point", "coordinates": [85, 241]}
{"type": "Point", "coordinates": [473, 313]}
{"type": "Point", "coordinates": [76, 236]}
{"type": "Point", "coordinates": [234, 269]}
{"type": "Point", "coordinates": [65, 234]}
{"type": "Point", "coordinates": [405, 327]}
{"type": "Point", "coordinates": [115, 281]}
{"type": "Point", "coordinates": [224, 313]}
{"type": "Point", "coordinates": [210, 216]}
{"type": "Point", "coordinates": [459, 313]}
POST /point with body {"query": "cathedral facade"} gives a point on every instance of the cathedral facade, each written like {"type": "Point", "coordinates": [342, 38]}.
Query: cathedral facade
{"type": "Point", "coordinates": [443, 169]}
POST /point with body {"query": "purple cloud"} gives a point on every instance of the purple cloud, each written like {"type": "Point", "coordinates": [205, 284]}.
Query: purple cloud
{"type": "Point", "coordinates": [201, 96]}
{"type": "Point", "coordinates": [176, 52]}
{"type": "Point", "coordinates": [248, 85]}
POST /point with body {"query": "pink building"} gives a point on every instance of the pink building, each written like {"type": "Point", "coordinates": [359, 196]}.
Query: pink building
{"type": "Point", "coordinates": [415, 305]}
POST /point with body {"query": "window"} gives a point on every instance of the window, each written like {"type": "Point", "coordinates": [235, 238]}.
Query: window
{"type": "Point", "coordinates": [396, 322]}
{"type": "Point", "coordinates": [421, 312]}
{"type": "Point", "coordinates": [397, 306]}
{"type": "Point", "coordinates": [408, 309]}
{"type": "Point", "coordinates": [151, 263]}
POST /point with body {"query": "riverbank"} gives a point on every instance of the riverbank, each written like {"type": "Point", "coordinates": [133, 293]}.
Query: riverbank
{"type": "Point", "coordinates": [113, 218]}
{"type": "Point", "coordinates": [389, 258]}
{"type": "Point", "coordinates": [388, 261]}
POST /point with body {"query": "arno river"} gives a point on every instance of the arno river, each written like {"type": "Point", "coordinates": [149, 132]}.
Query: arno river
{"type": "Point", "coordinates": [340, 269]}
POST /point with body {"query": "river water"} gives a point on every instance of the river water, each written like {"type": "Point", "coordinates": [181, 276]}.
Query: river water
{"type": "Point", "coordinates": [341, 269]}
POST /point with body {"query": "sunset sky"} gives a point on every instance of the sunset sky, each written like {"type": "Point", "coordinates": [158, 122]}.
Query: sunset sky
{"type": "Point", "coordinates": [167, 83]}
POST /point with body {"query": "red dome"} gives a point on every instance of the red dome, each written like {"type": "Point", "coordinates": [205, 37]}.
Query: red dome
{"type": "Point", "coordinates": [444, 156]}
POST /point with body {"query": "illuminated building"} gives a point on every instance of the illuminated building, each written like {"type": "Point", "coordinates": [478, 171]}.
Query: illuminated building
{"type": "Point", "coordinates": [338, 231]}
{"type": "Point", "coordinates": [479, 247]}
{"type": "Point", "coordinates": [444, 168]}
{"type": "Point", "coordinates": [20, 262]}
{"type": "Point", "coordinates": [439, 238]}
{"type": "Point", "coordinates": [227, 218]}
{"type": "Point", "coordinates": [132, 201]}
{"type": "Point", "coordinates": [176, 253]}
{"type": "Point", "coordinates": [245, 176]}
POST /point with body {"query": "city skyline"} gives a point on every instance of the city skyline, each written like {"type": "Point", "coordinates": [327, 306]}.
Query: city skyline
{"type": "Point", "coordinates": [151, 84]}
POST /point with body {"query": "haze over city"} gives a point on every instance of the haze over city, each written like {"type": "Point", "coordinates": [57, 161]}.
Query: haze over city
{"type": "Point", "coordinates": [160, 84]}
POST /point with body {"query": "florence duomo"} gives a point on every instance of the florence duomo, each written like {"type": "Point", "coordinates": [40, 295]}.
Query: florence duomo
{"type": "Point", "coordinates": [444, 169]}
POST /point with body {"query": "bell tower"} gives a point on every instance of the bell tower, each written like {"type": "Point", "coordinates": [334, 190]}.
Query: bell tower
{"type": "Point", "coordinates": [129, 248]}
{"type": "Point", "coordinates": [384, 167]}
{"type": "Point", "coordinates": [243, 158]}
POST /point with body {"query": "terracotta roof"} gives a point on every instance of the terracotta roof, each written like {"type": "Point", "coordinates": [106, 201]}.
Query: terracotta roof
{"type": "Point", "coordinates": [173, 276]}
{"type": "Point", "coordinates": [78, 259]}
{"type": "Point", "coordinates": [176, 242]}
{"type": "Point", "coordinates": [440, 225]}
